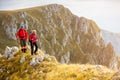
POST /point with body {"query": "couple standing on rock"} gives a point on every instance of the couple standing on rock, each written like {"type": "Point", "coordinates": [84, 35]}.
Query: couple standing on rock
{"type": "Point", "coordinates": [22, 35]}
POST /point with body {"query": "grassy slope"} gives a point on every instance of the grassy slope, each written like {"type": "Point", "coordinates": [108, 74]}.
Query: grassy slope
{"type": "Point", "coordinates": [50, 70]}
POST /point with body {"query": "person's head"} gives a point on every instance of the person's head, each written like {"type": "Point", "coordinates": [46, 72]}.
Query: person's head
{"type": "Point", "coordinates": [34, 31]}
{"type": "Point", "coordinates": [22, 27]}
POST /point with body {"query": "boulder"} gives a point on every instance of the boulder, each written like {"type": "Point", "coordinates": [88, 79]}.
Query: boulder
{"type": "Point", "coordinates": [37, 60]}
{"type": "Point", "coordinates": [22, 59]}
{"type": "Point", "coordinates": [10, 51]}
{"type": "Point", "coordinates": [34, 62]}
{"type": "Point", "coordinates": [14, 49]}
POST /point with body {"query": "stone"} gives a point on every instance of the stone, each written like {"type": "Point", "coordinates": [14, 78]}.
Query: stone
{"type": "Point", "coordinates": [9, 52]}
{"type": "Point", "coordinates": [22, 59]}
{"type": "Point", "coordinates": [34, 62]}
{"type": "Point", "coordinates": [14, 49]}
{"type": "Point", "coordinates": [41, 58]}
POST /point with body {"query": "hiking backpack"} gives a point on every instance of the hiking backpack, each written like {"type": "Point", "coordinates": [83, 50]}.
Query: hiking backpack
{"type": "Point", "coordinates": [22, 33]}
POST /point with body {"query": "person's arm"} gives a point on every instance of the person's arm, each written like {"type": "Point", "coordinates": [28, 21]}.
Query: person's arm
{"type": "Point", "coordinates": [26, 36]}
{"type": "Point", "coordinates": [17, 34]}
{"type": "Point", "coordinates": [30, 37]}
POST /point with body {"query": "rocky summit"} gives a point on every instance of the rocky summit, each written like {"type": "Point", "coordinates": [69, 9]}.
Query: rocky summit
{"type": "Point", "coordinates": [69, 38]}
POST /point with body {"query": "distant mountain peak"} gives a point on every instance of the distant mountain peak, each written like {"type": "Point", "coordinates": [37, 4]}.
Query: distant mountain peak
{"type": "Point", "coordinates": [113, 38]}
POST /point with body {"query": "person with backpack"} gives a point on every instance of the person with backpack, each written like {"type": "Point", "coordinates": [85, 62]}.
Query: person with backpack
{"type": "Point", "coordinates": [33, 42]}
{"type": "Point", "coordinates": [22, 35]}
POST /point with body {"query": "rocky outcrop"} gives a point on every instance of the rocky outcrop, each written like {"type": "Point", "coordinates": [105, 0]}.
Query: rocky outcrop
{"type": "Point", "coordinates": [37, 60]}
{"type": "Point", "coordinates": [69, 38]}
{"type": "Point", "coordinates": [65, 58]}
{"type": "Point", "coordinates": [114, 38]}
{"type": "Point", "coordinates": [22, 60]}
{"type": "Point", "coordinates": [10, 51]}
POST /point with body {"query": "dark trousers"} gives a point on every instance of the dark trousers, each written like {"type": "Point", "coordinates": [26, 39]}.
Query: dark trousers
{"type": "Point", "coordinates": [23, 45]}
{"type": "Point", "coordinates": [33, 45]}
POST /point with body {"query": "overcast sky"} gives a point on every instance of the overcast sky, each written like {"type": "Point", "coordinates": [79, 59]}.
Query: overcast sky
{"type": "Point", "coordinates": [106, 13]}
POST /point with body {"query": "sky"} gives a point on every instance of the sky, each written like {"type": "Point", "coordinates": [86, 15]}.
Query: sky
{"type": "Point", "coordinates": [106, 13]}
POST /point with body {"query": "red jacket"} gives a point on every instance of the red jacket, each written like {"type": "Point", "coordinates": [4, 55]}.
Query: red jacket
{"type": "Point", "coordinates": [22, 34]}
{"type": "Point", "coordinates": [33, 37]}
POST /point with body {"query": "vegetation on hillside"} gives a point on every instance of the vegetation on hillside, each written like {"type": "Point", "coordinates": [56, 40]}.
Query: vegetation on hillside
{"type": "Point", "coordinates": [49, 69]}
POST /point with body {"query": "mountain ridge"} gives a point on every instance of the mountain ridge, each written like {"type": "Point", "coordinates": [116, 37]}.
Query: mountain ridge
{"type": "Point", "coordinates": [113, 38]}
{"type": "Point", "coordinates": [69, 38]}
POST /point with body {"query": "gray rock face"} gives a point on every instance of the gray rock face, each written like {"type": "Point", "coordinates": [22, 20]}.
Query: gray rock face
{"type": "Point", "coordinates": [14, 49]}
{"type": "Point", "coordinates": [37, 60]}
{"type": "Point", "coordinates": [114, 64]}
{"type": "Point", "coordinates": [34, 61]}
{"type": "Point", "coordinates": [114, 38]}
{"type": "Point", "coordinates": [11, 31]}
{"type": "Point", "coordinates": [41, 58]}
{"type": "Point", "coordinates": [10, 51]}
{"type": "Point", "coordinates": [65, 58]}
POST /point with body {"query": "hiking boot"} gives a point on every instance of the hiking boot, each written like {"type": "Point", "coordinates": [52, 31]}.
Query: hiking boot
{"type": "Point", "coordinates": [35, 53]}
{"type": "Point", "coordinates": [24, 50]}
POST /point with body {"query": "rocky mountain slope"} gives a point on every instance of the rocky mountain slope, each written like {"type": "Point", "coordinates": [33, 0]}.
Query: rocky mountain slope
{"type": "Point", "coordinates": [114, 38]}
{"type": "Point", "coordinates": [69, 38]}
{"type": "Point", "coordinates": [23, 66]}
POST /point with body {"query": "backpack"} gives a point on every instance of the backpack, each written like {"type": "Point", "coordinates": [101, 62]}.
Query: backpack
{"type": "Point", "coordinates": [22, 33]}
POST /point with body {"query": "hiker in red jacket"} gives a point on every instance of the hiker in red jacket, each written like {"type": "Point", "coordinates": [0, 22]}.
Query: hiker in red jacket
{"type": "Point", "coordinates": [22, 35]}
{"type": "Point", "coordinates": [33, 42]}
